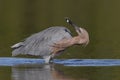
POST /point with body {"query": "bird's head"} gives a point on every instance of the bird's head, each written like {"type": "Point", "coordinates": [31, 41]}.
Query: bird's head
{"type": "Point", "coordinates": [83, 36]}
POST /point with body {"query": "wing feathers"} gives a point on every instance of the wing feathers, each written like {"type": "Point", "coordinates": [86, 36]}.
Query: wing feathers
{"type": "Point", "coordinates": [40, 43]}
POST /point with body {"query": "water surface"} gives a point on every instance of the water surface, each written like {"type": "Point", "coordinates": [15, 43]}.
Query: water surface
{"type": "Point", "coordinates": [60, 69]}
{"type": "Point", "coordinates": [9, 61]}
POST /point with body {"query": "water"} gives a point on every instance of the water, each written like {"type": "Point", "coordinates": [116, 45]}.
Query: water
{"type": "Point", "coordinates": [60, 69]}
{"type": "Point", "coordinates": [7, 61]}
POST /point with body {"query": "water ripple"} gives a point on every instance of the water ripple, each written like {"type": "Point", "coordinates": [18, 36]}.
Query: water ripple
{"type": "Point", "coordinates": [9, 61]}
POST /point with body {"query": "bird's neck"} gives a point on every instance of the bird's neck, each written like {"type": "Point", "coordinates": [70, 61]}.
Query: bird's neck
{"type": "Point", "coordinates": [75, 40]}
{"type": "Point", "coordinates": [65, 43]}
{"type": "Point", "coordinates": [68, 42]}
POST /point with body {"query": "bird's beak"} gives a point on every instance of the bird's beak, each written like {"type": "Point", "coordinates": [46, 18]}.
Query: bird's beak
{"type": "Point", "coordinates": [78, 30]}
{"type": "Point", "coordinates": [73, 24]}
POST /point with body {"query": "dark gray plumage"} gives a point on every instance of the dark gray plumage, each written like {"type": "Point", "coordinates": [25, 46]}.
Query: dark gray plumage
{"type": "Point", "coordinates": [40, 44]}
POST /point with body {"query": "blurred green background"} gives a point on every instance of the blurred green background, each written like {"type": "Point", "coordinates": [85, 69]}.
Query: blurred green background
{"type": "Point", "coordinates": [21, 18]}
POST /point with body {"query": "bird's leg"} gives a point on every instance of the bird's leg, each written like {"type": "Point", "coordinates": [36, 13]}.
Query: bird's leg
{"type": "Point", "coordinates": [47, 59]}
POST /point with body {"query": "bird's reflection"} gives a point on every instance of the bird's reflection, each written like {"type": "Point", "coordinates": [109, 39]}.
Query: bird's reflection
{"type": "Point", "coordinates": [38, 72]}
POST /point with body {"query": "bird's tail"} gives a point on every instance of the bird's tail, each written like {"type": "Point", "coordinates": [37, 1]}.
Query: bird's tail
{"type": "Point", "coordinates": [17, 49]}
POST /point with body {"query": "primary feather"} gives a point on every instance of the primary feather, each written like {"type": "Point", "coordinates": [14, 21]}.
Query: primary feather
{"type": "Point", "coordinates": [40, 44]}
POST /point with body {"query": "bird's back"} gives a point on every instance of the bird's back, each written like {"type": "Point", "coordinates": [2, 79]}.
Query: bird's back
{"type": "Point", "coordinates": [40, 44]}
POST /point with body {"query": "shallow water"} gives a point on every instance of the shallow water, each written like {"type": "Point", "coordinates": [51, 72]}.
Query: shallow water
{"type": "Point", "coordinates": [7, 61]}
{"type": "Point", "coordinates": [60, 69]}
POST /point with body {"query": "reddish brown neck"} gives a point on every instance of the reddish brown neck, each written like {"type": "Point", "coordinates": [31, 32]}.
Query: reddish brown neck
{"type": "Point", "coordinates": [68, 42]}
{"type": "Point", "coordinates": [75, 40]}
{"type": "Point", "coordinates": [63, 44]}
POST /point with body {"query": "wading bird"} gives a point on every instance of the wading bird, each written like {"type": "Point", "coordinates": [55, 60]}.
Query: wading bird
{"type": "Point", "coordinates": [51, 42]}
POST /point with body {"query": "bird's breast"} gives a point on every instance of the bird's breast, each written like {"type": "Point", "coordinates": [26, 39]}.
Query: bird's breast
{"type": "Point", "coordinates": [57, 49]}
